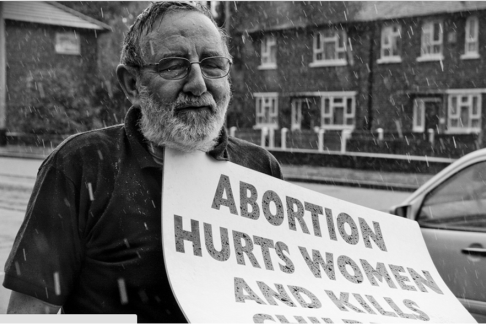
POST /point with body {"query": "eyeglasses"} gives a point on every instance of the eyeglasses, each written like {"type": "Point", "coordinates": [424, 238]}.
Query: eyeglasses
{"type": "Point", "coordinates": [177, 68]}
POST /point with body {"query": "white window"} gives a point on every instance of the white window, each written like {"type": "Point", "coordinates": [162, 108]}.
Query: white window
{"type": "Point", "coordinates": [266, 110]}
{"type": "Point", "coordinates": [329, 48]}
{"type": "Point", "coordinates": [432, 41]}
{"type": "Point", "coordinates": [391, 38]}
{"type": "Point", "coordinates": [268, 52]}
{"type": "Point", "coordinates": [418, 115]}
{"type": "Point", "coordinates": [338, 111]}
{"type": "Point", "coordinates": [68, 43]}
{"type": "Point", "coordinates": [464, 113]}
{"type": "Point", "coordinates": [471, 38]}
{"type": "Point", "coordinates": [296, 114]}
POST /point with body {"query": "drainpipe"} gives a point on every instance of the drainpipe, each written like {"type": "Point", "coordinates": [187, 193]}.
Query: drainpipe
{"type": "Point", "coordinates": [370, 76]}
{"type": "Point", "coordinates": [3, 81]}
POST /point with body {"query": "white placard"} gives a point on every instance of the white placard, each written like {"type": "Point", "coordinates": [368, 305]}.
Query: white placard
{"type": "Point", "coordinates": [241, 246]}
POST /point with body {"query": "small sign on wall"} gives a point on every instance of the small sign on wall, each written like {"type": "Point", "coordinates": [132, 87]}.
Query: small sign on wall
{"type": "Point", "coordinates": [68, 43]}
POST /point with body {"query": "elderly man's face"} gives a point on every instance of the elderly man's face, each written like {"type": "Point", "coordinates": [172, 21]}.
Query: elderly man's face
{"type": "Point", "coordinates": [189, 113]}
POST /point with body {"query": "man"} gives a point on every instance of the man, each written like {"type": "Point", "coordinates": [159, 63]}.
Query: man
{"type": "Point", "coordinates": [91, 238]}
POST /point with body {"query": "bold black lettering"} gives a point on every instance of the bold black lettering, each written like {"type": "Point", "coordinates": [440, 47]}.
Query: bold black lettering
{"type": "Point", "coordinates": [293, 214]}
{"type": "Point", "coordinates": [192, 236]}
{"type": "Point", "coordinates": [218, 200]}
{"type": "Point", "coordinates": [251, 200]}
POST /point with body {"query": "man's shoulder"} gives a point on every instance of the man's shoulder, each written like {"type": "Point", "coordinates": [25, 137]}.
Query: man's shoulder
{"type": "Point", "coordinates": [241, 144]}
{"type": "Point", "coordinates": [253, 156]}
{"type": "Point", "coordinates": [99, 143]}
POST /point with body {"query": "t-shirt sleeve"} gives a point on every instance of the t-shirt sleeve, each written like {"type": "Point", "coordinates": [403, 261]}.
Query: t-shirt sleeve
{"type": "Point", "coordinates": [46, 255]}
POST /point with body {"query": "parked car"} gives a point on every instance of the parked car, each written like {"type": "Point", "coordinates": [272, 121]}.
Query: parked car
{"type": "Point", "coordinates": [451, 211]}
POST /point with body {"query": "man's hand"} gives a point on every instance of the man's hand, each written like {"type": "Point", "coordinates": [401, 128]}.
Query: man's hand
{"type": "Point", "coordinates": [23, 304]}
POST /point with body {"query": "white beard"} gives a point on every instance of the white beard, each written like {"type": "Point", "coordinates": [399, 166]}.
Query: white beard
{"type": "Point", "coordinates": [187, 131]}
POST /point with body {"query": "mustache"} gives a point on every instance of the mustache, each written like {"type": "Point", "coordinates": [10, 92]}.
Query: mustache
{"type": "Point", "coordinates": [184, 101]}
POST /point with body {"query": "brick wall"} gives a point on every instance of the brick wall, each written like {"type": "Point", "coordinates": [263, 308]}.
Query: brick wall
{"type": "Point", "coordinates": [30, 52]}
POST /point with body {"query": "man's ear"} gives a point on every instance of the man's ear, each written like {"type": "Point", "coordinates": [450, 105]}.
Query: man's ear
{"type": "Point", "coordinates": [128, 82]}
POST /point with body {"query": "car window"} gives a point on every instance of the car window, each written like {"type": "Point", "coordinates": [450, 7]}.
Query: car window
{"type": "Point", "coordinates": [458, 203]}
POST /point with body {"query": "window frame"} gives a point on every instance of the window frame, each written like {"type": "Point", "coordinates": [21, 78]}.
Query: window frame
{"type": "Point", "coordinates": [318, 47]}
{"type": "Point", "coordinates": [468, 54]}
{"type": "Point", "coordinates": [391, 36]}
{"type": "Point", "coordinates": [266, 44]}
{"type": "Point", "coordinates": [469, 103]}
{"type": "Point", "coordinates": [345, 96]}
{"type": "Point", "coordinates": [261, 106]}
{"type": "Point", "coordinates": [428, 28]}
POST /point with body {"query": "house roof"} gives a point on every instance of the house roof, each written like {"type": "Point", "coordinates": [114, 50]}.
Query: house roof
{"type": "Point", "coordinates": [381, 10]}
{"type": "Point", "coordinates": [272, 16]}
{"type": "Point", "coordinates": [50, 13]}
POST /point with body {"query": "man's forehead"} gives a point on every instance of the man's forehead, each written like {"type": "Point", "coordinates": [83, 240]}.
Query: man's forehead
{"type": "Point", "coordinates": [176, 34]}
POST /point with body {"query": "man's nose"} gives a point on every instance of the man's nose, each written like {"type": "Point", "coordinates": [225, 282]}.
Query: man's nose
{"type": "Point", "coordinates": [195, 82]}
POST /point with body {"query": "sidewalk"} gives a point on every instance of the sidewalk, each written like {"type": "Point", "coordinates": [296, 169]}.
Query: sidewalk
{"type": "Point", "coordinates": [324, 175]}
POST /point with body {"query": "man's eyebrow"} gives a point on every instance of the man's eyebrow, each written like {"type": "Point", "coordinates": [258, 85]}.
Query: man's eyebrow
{"type": "Point", "coordinates": [212, 53]}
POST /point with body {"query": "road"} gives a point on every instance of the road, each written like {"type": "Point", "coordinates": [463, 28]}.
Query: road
{"type": "Point", "coordinates": [17, 177]}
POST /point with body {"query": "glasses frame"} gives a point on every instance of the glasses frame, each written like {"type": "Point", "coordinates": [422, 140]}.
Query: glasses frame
{"type": "Point", "coordinates": [155, 66]}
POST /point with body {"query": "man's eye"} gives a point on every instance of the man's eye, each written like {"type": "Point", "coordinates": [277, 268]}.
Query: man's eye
{"type": "Point", "coordinates": [172, 67]}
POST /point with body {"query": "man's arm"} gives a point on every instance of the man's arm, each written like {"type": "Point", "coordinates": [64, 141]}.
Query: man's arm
{"type": "Point", "coordinates": [24, 304]}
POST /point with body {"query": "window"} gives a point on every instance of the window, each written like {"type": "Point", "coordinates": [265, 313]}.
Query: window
{"type": "Point", "coordinates": [68, 43]}
{"type": "Point", "coordinates": [268, 53]}
{"type": "Point", "coordinates": [464, 113]}
{"type": "Point", "coordinates": [390, 44]}
{"type": "Point", "coordinates": [431, 46]}
{"type": "Point", "coordinates": [338, 111]}
{"type": "Point", "coordinates": [458, 203]}
{"type": "Point", "coordinates": [471, 39]}
{"type": "Point", "coordinates": [266, 110]}
{"type": "Point", "coordinates": [329, 48]}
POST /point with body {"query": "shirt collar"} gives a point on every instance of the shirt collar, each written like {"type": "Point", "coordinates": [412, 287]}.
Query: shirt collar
{"type": "Point", "coordinates": [140, 148]}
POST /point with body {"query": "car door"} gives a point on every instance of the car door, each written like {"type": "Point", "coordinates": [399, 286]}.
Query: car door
{"type": "Point", "coordinates": [453, 222]}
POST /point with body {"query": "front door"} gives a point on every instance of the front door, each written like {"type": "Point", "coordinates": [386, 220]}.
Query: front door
{"type": "Point", "coordinates": [432, 109]}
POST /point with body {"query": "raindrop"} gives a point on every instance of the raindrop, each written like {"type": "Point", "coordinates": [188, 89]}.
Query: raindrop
{"type": "Point", "coordinates": [126, 242]}
{"type": "Point", "coordinates": [100, 155]}
{"type": "Point", "coordinates": [17, 269]}
{"type": "Point", "coordinates": [25, 257]}
{"type": "Point", "coordinates": [123, 291]}
{"type": "Point", "coordinates": [146, 227]}
{"type": "Point", "coordinates": [57, 285]}
{"type": "Point", "coordinates": [90, 190]}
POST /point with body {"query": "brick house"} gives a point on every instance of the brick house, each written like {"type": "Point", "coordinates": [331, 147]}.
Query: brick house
{"type": "Point", "coordinates": [407, 68]}
{"type": "Point", "coordinates": [44, 41]}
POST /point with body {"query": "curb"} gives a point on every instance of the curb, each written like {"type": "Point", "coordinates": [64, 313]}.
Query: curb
{"type": "Point", "coordinates": [355, 183]}
{"type": "Point", "coordinates": [30, 156]}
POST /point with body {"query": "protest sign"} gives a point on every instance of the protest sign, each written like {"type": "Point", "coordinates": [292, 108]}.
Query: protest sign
{"type": "Point", "coordinates": [241, 246]}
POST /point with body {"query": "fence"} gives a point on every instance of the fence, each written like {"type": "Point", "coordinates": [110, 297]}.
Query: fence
{"type": "Point", "coordinates": [429, 144]}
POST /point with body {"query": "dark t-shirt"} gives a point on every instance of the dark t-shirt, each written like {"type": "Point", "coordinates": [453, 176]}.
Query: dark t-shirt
{"type": "Point", "coordinates": [91, 237]}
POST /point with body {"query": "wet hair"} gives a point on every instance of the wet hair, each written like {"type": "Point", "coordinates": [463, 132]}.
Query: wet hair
{"type": "Point", "coordinates": [132, 53]}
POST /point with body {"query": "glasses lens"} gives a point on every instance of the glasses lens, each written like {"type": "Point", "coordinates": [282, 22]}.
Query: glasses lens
{"type": "Point", "coordinates": [215, 67]}
{"type": "Point", "coordinates": [173, 68]}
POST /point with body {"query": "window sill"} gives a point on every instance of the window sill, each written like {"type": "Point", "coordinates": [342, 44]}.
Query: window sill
{"type": "Point", "coordinates": [338, 127]}
{"type": "Point", "coordinates": [328, 63]}
{"type": "Point", "coordinates": [269, 126]}
{"type": "Point", "coordinates": [267, 67]}
{"type": "Point", "coordinates": [463, 131]}
{"type": "Point", "coordinates": [430, 58]}
{"type": "Point", "coordinates": [386, 60]}
{"type": "Point", "coordinates": [470, 56]}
